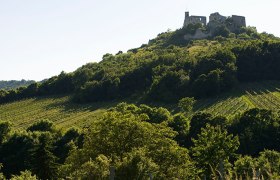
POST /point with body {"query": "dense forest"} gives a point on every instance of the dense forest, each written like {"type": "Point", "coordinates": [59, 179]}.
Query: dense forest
{"type": "Point", "coordinates": [137, 141]}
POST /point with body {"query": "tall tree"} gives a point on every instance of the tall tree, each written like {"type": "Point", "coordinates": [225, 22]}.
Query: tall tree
{"type": "Point", "coordinates": [43, 161]}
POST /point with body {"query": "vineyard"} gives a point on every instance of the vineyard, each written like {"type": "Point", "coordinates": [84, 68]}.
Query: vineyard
{"type": "Point", "coordinates": [56, 109]}
{"type": "Point", "coordinates": [66, 114]}
{"type": "Point", "coordinates": [265, 95]}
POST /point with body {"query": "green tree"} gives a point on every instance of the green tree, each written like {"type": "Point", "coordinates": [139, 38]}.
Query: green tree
{"type": "Point", "coordinates": [92, 169]}
{"type": "Point", "coordinates": [197, 122]}
{"type": "Point", "coordinates": [43, 161]}
{"type": "Point", "coordinates": [208, 85]}
{"type": "Point", "coordinates": [245, 166]}
{"type": "Point", "coordinates": [269, 164]}
{"type": "Point", "coordinates": [181, 124]}
{"type": "Point", "coordinates": [5, 128]}
{"type": "Point", "coordinates": [24, 175]}
{"type": "Point", "coordinates": [258, 129]}
{"type": "Point", "coordinates": [186, 104]}
{"type": "Point", "coordinates": [43, 126]}
{"type": "Point", "coordinates": [213, 149]}
{"type": "Point", "coordinates": [64, 144]}
{"type": "Point", "coordinates": [137, 165]}
{"type": "Point", "coordinates": [15, 153]}
{"type": "Point", "coordinates": [120, 136]}
{"type": "Point", "coordinates": [221, 30]}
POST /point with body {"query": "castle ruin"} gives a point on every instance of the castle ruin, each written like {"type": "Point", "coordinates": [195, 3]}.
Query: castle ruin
{"type": "Point", "coordinates": [238, 21]}
{"type": "Point", "coordinates": [233, 23]}
{"type": "Point", "coordinates": [194, 19]}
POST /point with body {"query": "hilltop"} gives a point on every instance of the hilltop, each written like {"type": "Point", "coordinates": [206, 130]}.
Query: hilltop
{"type": "Point", "coordinates": [167, 69]}
{"type": "Point", "coordinates": [217, 24]}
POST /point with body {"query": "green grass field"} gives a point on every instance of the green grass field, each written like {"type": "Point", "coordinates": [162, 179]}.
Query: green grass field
{"type": "Point", "coordinates": [66, 114]}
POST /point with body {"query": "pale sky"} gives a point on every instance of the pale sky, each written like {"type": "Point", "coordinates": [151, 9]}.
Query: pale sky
{"type": "Point", "coordinates": [41, 38]}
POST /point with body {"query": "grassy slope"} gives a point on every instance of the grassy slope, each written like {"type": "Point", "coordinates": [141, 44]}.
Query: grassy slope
{"type": "Point", "coordinates": [66, 114]}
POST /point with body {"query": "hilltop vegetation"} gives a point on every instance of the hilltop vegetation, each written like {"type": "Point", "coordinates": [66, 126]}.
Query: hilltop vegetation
{"type": "Point", "coordinates": [167, 69]}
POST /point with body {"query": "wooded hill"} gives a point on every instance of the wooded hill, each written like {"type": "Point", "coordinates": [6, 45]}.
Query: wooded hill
{"type": "Point", "coordinates": [229, 130]}
{"type": "Point", "coordinates": [167, 69]}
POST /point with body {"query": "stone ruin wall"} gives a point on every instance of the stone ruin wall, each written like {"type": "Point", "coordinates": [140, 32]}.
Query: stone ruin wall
{"type": "Point", "coordinates": [215, 19]}
{"type": "Point", "coordinates": [194, 20]}
{"type": "Point", "coordinates": [239, 20]}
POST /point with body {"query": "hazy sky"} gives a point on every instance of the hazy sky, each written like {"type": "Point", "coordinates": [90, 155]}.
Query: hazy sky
{"type": "Point", "coordinates": [41, 38]}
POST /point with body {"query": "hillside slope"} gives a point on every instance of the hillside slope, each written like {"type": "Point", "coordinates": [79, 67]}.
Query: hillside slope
{"type": "Point", "coordinates": [66, 114]}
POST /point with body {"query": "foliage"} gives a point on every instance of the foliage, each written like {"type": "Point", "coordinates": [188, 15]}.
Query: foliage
{"type": "Point", "coordinates": [97, 169]}
{"type": "Point", "coordinates": [245, 166]}
{"type": "Point", "coordinates": [7, 85]}
{"type": "Point", "coordinates": [269, 164]}
{"type": "Point", "coordinates": [43, 126]}
{"type": "Point", "coordinates": [43, 162]}
{"type": "Point", "coordinates": [137, 165]}
{"type": "Point", "coordinates": [143, 141]}
{"type": "Point", "coordinates": [181, 124]}
{"type": "Point", "coordinates": [213, 150]}
{"type": "Point", "coordinates": [186, 104]}
{"type": "Point", "coordinates": [221, 30]}
{"type": "Point", "coordinates": [258, 129]}
{"type": "Point", "coordinates": [15, 153]}
{"type": "Point", "coordinates": [24, 175]}
{"type": "Point", "coordinates": [5, 128]}
{"type": "Point", "coordinates": [122, 136]}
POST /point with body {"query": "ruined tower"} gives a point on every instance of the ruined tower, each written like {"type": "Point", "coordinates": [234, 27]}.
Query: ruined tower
{"type": "Point", "coordinates": [239, 21]}
{"type": "Point", "coordinates": [194, 19]}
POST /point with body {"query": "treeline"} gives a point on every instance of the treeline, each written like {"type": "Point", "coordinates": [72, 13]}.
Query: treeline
{"type": "Point", "coordinates": [60, 84]}
{"type": "Point", "coordinates": [156, 72]}
{"type": "Point", "coordinates": [13, 84]}
{"type": "Point", "coordinates": [142, 141]}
